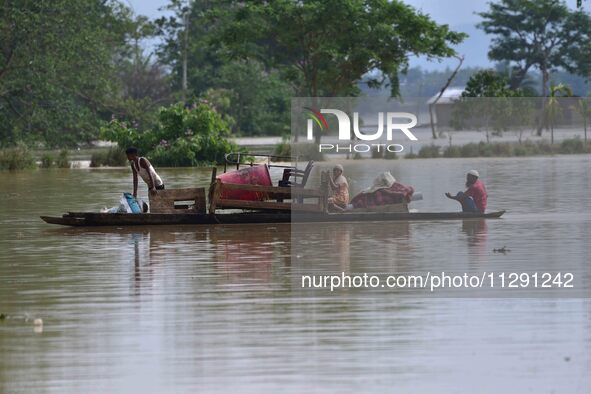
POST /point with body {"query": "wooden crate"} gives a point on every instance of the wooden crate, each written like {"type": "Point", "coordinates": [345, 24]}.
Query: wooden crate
{"type": "Point", "coordinates": [190, 200]}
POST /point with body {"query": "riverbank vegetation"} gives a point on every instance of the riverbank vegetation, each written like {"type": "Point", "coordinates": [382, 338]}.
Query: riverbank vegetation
{"type": "Point", "coordinates": [17, 158]}
{"type": "Point", "coordinates": [504, 149]}
{"type": "Point", "coordinates": [68, 67]}
{"type": "Point", "coordinates": [75, 71]}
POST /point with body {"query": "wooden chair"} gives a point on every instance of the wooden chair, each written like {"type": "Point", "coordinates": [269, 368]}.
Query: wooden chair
{"type": "Point", "coordinates": [295, 174]}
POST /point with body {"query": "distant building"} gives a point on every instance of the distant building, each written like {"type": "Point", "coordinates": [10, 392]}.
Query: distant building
{"type": "Point", "coordinates": [443, 107]}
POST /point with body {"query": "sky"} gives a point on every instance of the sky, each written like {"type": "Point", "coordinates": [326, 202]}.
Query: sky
{"type": "Point", "coordinates": [458, 14]}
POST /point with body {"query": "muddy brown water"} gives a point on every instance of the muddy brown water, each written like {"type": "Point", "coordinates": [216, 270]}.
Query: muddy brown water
{"type": "Point", "coordinates": [221, 308]}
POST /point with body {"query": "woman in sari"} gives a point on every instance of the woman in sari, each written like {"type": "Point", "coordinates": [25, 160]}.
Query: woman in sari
{"type": "Point", "coordinates": [339, 188]}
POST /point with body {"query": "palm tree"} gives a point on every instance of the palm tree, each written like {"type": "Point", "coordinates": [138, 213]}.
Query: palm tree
{"type": "Point", "coordinates": [584, 110]}
{"type": "Point", "coordinates": [553, 109]}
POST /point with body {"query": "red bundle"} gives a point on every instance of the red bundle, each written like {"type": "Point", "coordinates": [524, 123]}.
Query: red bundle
{"type": "Point", "coordinates": [395, 194]}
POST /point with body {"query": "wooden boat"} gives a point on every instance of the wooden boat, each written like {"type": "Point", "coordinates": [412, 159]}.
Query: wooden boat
{"type": "Point", "coordinates": [149, 219]}
{"type": "Point", "coordinates": [291, 202]}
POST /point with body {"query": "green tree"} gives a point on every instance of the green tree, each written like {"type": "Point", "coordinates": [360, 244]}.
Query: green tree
{"type": "Point", "coordinates": [56, 68]}
{"type": "Point", "coordinates": [257, 97]}
{"type": "Point", "coordinates": [324, 47]}
{"type": "Point", "coordinates": [489, 83]}
{"type": "Point", "coordinates": [184, 135]}
{"type": "Point", "coordinates": [528, 84]}
{"type": "Point", "coordinates": [487, 101]}
{"type": "Point", "coordinates": [542, 34]}
{"type": "Point", "coordinates": [584, 109]}
{"type": "Point", "coordinates": [144, 85]}
{"type": "Point", "coordinates": [187, 45]}
{"type": "Point", "coordinates": [553, 108]}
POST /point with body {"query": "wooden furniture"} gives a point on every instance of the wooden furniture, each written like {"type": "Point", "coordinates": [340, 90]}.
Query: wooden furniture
{"type": "Point", "coordinates": [295, 174]}
{"type": "Point", "coordinates": [191, 200]}
{"type": "Point", "coordinates": [268, 198]}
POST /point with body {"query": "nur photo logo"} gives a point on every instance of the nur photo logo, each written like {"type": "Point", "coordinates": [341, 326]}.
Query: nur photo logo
{"type": "Point", "coordinates": [390, 122]}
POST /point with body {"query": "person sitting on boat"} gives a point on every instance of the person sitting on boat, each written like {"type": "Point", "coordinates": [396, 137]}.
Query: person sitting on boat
{"type": "Point", "coordinates": [143, 167]}
{"type": "Point", "coordinates": [339, 189]}
{"type": "Point", "coordinates": [475, 196]}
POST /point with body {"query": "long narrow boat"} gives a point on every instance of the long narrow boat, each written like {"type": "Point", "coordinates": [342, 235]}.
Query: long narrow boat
{"type": "Point", "coordinates": [82, 219]}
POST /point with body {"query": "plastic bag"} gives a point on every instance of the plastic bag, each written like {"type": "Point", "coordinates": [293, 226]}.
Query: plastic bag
{"type": "Point", "coordinates": [130, 203]}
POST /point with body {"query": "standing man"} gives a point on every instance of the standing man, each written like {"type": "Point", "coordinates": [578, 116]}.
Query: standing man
{"type": "Point", "coordinates": [141, 166]}
{"type": "Point", "coordinates": [475, 196]}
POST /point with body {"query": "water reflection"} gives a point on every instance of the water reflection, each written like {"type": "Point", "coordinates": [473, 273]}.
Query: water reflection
{"type": "Point", "coordinates": [332, 248]}
{"type": "Point", "coordinates": [476, 231]}
{"type": "Point", "coordinates": [243, 254]}
{"type": "Point", "coordinates": [248, 255]}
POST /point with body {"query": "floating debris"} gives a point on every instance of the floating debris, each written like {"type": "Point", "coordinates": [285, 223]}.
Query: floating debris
{"type": "Point", "coordinates": [38, 326]}
{"type": "Point", "coordinates": [502, 250]}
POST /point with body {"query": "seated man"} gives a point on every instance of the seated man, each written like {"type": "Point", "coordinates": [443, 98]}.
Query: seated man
{"type": "Point", "coordinates": [339, 190]}
{"type": "Point", "coordinates": [474, 198]}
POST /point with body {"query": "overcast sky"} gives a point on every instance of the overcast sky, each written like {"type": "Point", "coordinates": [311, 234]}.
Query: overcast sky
{"type": "Point", "coordinates": [459, 14]}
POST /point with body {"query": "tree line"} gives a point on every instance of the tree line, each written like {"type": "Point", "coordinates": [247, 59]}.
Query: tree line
{"type": "Point", "coordinates": [70, 67]}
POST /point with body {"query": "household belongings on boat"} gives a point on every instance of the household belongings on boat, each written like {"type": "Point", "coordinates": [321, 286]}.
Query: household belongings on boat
{"type": "Point", "coordinates": [256, 175]}
{"type": "Point", "coordinates": [128, 204]}
{"type": "Point", "coordinates": [252, 188]}
{"type": "Point", "coordinates": [188, 200]}
{"type": "Point", "coordinates": [188, 206]}
{"type": "Point", "coordinates": [384, 191]}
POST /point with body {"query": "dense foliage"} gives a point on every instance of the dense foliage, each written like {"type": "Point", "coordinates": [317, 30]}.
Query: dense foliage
{"type": "Point", "coordinates": [324, 47]}
{"type": "Point", "coordinates": [55, 61]}
{"type": "Point", "coordinates": [66, 66]}
{"type": "Point", "coordinates": [69, 66]}
{"type": "Point", "coordinates": [489, 103]}
{"type": "Point", "coordinates": [254, 97]}
{"type": "Point", "coordinates": [544, 34]}
{"type": "Point", "coordinates": [262, 53]}
{"type": "Point", "coordinates": [182, 136]}
{"type": "Point", "coordinates": [16, 158]}
{"type": "Point", "coordinates": [489, 83]}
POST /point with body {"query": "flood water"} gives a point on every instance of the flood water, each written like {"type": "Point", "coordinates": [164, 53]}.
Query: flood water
{"type": "Point", "coordinates": [221, 308]}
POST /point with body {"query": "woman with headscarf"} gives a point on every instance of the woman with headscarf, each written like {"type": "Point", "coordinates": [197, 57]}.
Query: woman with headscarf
{"type": "Point", "coordinates": [339, 189]}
